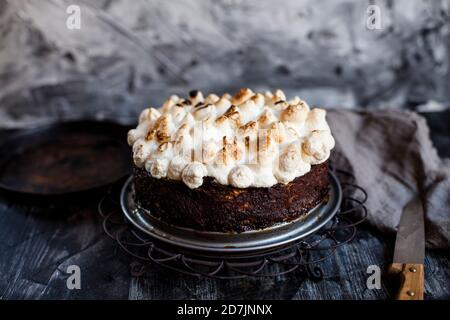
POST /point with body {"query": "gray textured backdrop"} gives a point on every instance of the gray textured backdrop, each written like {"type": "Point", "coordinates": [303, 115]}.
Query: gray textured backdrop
{"type": "Point", "coordinates": [130, 54]}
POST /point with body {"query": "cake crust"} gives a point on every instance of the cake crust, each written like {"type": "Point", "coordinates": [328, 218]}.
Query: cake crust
{"type": "Point", "coordinates": [223, 208]}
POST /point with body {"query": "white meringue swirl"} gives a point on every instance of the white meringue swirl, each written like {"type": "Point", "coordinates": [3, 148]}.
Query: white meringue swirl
{"type": "Point", "coordinates": [193, 174]}
{"type": "Point", "coordinates": [241, 177]}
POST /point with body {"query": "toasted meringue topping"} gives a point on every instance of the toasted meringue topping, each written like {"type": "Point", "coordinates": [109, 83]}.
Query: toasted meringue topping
{"type": "Point", "coordinates": [212, 98]}
{"type": "Point", "coordinates": [169, 103]}
{"type": "Point", "coordinates": [279, 95]}
{"type": "Point", "coordinates": [158, 168]}
{"type": "Point", "coordinates": [249, 128]}
{"type": "Point", "coordinates": [295, 113]}
{"type": "Point", "coordinates": [241, 176]}
{"type": "Point", "coordinates": [317, 146]}
{"type": "Point", "coordinates": [149, 114]}
{"type": "Point", "coordinates": [176, 167]}
{"type": "Point", "coordinates": [266, 118]}
{"type": "Point", "coordinates": [193, 174]}
{"type": "Point", "coordinates": [246, 140]}
{"type": "Point", "coordinates": [241, 96]}
{"type": "Point", "coordinates": [196, 97]}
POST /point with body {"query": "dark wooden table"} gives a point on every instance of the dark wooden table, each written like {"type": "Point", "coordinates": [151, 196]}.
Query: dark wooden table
{"type": "Point", "coordinates": [39, 241]}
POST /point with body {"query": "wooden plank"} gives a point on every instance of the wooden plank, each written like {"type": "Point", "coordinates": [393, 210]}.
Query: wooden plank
{"type": "Point", "coordinates": [38, 243]}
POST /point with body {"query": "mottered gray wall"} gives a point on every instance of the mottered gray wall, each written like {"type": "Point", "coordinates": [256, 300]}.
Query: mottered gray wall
{"type": "Point", "coordinates": [130, 54]}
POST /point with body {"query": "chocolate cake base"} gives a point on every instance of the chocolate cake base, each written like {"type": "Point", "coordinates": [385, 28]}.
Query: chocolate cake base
{"type": "Point", "coordinates": [216, 207]}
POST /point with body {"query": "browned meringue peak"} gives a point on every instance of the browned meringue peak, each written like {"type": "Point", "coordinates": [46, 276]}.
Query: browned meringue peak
{"type": "Point", "coordinates": [196, 96]}
{"type": "Point", "coordinates": [136, 134]}
{"type": "Point", "coordinates": [231, 151]}
{"type": "Point", "coordinates": [279, 95]}
{"type": "Point", "coordinates": [141, 151]}
{"type": "Point", "coordinates": [169, 103]}
{"type": "Point", "coordinates": [266, 118]}
{"type": "Point", "coordinates": [316, 120]}
{"type": "Point", "coordinates": [241, 96]}
{"type": "Point", "coordinates": [248, 133]}
{"type": "Point", "coordinates": [183, 130]}
{"type": "Point", "coordinates": [164, 147]}
{"type": "Point", "coordinates": [161, 129]}
{"type": "Point", "coordinates": [212, 98]}
{"type": "Point", "coordinates": [203, 111]}
{"type": "Point", "coordinates": [178, 113]}
{"type": "Point", "coordinates": [233, 114]}
{"type": "Point", "coordinates": [227, 96]}
{"type": "Point", "coordinates": [268, 96]}
{"type": "Point", "coordinates": [183, 103]}
{"type": "Point", "coordinates": [248, 129]}
{"type": "Point", "coordinates": [166, 138]}
{"type": "Point", "coordinates": [272, 98]}
{"type": "Point", "coordinates": [149, 114]}
{"type": "Point", "coordinates": [247, 106]}
{"type": "Point", "coordinates": [280, 105]}
{"type": "Point", "coordinates": [258, 99]}
{"type": "Point", "coordinates": [295, 113]}
{"type": "Point", "coordinates": [222, 105]}
{"type": "Point", "coordinates": [295, 100]}
{"type": "Point", "coordinates": [278, 132]}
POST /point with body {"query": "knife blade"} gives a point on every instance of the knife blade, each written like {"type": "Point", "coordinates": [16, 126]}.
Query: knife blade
{"type": "Point", "coordinates": [409, 252]}
{"type": "Point", "coordinates": [410, 242]}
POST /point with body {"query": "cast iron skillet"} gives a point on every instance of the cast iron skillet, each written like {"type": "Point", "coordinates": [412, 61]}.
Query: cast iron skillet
{"type": "Point", "coordinates": [64, 158]}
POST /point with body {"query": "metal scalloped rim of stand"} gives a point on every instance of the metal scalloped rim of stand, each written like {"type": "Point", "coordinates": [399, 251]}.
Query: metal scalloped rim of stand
{"type": "Point", "coordinates": [304, 255]}
{"type": "Point", "coordinates": [212, 243]}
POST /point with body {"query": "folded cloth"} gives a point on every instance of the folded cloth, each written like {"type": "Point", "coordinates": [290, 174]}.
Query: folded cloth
{"type": "Point", "coordinates": [392, 157]}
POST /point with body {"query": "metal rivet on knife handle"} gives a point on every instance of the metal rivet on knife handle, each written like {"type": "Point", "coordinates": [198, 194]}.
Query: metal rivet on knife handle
{"type": "Point", "coordinates": [409, 252]}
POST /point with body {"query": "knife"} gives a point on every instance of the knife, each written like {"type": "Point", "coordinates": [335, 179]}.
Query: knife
{"type": "Point", "coordinates": [409, 252]}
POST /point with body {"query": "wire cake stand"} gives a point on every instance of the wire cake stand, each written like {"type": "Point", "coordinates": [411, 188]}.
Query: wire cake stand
{"type": "Point", "coordinates": [299, 246]}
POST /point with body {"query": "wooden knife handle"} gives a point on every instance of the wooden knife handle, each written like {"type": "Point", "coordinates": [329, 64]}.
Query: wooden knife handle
{"type": "Point", "coordinates": [411, 279]}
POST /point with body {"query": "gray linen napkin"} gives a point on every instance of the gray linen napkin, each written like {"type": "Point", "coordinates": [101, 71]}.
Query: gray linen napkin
{"type": "Point", "coordinates": [391, 155]}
